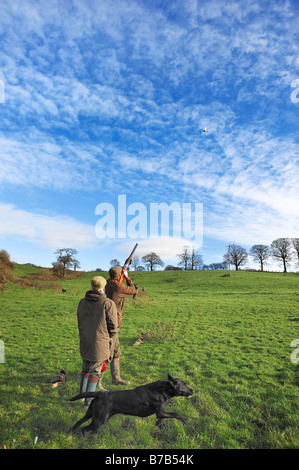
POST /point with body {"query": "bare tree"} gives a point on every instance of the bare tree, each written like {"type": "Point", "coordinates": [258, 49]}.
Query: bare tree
{"type": "Point", "coordinates": [151, 260]}
{"type": "Point", "coordinates": [66, 256]}
{"type": "Point", "coordinates": [135, 262]}
{"type": "Point", "coordinates": [76, 264]}
{"type": "Point", "coordinates": [260, 254]}
{"type": "Point", "coordinates": [114, 262]}
{"type": "Point", "coordinates": [195, 259]}
{"type": "Point", "coordinates": [216, 266]}
{"type": "Point", "coordinates": [295, 243]}
{"type": "Point", "coordinates": [184, 257]}
{"type": "Point", "coordinates": [282, 251]}
{"type": "Point", "coordinates": [238, 256]}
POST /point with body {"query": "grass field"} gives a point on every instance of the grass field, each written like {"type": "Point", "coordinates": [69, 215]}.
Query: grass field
{"type": "Point", "coordinates": [229, 339]}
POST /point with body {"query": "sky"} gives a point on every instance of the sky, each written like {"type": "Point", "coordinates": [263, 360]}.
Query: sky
{"type": "Point", "coordinates": [105, 101]}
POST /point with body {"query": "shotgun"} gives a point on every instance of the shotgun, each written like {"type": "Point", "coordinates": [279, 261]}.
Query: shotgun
{"type": "Point", "coordinates": [127, 263]}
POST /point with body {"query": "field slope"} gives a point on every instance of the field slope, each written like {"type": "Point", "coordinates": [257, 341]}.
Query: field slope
{"type": "Point", "coordinates": [229, 339]}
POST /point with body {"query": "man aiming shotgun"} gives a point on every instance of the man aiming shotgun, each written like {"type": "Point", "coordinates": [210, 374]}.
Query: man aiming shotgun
{"type": "Point", "coordinates": [117, 291]}
{"type": "Point", "coordinates": [127, 264]}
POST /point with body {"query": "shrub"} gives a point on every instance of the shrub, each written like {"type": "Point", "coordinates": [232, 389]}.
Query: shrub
{"type": "Point", "coordinates": [5, 265]}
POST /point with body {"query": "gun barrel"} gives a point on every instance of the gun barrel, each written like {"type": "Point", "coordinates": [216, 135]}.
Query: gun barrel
{"type": "Point", "coordinates": [129, 259]}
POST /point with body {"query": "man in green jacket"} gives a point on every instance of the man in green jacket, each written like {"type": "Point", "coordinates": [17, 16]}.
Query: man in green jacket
{"type": "Point", "coordinates": [97, 323]}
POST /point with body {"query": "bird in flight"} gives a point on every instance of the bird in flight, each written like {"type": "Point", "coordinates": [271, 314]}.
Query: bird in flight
{"type": "Point", "coordinates": [205, 130]}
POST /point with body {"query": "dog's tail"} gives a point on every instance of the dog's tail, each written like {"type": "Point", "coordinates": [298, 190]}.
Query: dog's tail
{"type": "Point", "coordinates": [84, 395]}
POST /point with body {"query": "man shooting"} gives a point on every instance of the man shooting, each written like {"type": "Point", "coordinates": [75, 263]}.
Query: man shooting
{"type": "Point", "coordinates": [116, 290]}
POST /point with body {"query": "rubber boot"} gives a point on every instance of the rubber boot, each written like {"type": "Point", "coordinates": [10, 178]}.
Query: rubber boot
{"type": "Point", "coordinates": [83, 382]}
{"type": "Point", "coordinates": [91, 387]}
{"type": "Point", "coordinates": [100, 386]}
{"type": "Point", "coordinates": [116, 379]}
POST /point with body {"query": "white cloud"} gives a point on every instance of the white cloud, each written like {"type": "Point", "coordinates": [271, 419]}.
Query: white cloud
{"type": "Point", "coordinates": [131, 85]}
{"type": "Point", "coordinates": [36, 162]}
{"type": "Point", "coordinates": [165, 247]}
{"type": "Point", "coordinates": [46, 231]}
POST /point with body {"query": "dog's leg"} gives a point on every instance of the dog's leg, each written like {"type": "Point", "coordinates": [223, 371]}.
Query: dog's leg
{"type": "Point", "coordinates": [169, 414]}
{"type": "Point", "coordinates": [82, 420]}
{"type": "Point", "coordinates": [98, 419]}
{"type": "Point", "coordinates": [94, 425]}
{"type": "Point", "coordinates": [90, 427]}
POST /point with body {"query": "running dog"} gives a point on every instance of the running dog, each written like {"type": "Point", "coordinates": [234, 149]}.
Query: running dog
{"type": "Point", "coordinates": [142, 401]}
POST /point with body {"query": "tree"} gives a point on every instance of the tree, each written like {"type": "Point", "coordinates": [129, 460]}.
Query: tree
{"type": "Point", "coordinates": [76, 264]}
{"type": "Point", "coordinates": [195, 259]}
{"type": "Point", "coordinates": [190, 258]}
{"type": "Point", "coordinates": [135, 262]}
{"type": "Point", "coordinates": [216, 266]}
{"type": "Point", "coordinates": [184, 257]}
{"type": "Point", "coordinates": [237, 256]}
{"type": "Point", "coordinates": [151, 260]}
{"type": "Point", "coordinates": [282, 250]}
{"type": "Point", "coordinates": [295, 243]}
{"type": "Point", "coordinates": [169, 267]}
{"type": "Point", "coordinates": [66, 256]}
{"type": "Point", "coordinates": [140, 268]}
{"type": "Point", "coordinates": [114, 262]}
{"type": "Point", "coordinates": [260, 254]}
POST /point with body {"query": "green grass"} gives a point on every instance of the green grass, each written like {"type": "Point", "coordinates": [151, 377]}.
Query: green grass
{"type": "Point", "coordinates": [229, 339]}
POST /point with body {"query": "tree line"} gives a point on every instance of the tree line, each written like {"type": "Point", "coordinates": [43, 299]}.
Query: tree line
{"type": "Point", "coordinates": [189, 259]}
{"type": "Point", "coordinates": [285, 250]}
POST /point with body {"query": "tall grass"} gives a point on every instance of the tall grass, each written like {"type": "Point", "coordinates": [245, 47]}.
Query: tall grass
{"type": "Point", "coordinates": [229, 339]}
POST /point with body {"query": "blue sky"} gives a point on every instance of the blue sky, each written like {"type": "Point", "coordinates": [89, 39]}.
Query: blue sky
{"type": "Point", "coordinates": [108, 98]}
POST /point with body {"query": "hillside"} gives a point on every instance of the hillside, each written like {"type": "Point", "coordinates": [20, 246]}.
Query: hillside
{"type": "Point", "coordinates": [229, 339]}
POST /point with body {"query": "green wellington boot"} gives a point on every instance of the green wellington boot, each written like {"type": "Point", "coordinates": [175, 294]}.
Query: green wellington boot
{"type": "Point", "coordinates": [91, 387]}
{"type": "Point", "coordinates": [100, 386]}
{"type": "Point", "coordinates": [83, 382]}
{"type": "Point", "coordinates": [116, 379]}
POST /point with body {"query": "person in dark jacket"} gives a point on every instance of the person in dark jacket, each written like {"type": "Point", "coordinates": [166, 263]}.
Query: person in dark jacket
{"type": "Point", "coordinates": [117, 291]}
{"type": "Point", "coordinates": [97, 324]}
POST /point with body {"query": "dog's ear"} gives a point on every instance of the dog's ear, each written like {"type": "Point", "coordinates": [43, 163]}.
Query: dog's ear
{"type": "Point", "coordinates": [171, 379]}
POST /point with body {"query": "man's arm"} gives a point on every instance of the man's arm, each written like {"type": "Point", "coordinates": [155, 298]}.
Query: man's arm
{"type": "Point", "coordinates": [111, 318]}
{"type": "Point", "coordinates": [123, 290]}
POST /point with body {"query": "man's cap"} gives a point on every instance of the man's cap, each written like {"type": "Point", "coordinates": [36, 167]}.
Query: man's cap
{"type": "Point", "coordinates": [115, 271]}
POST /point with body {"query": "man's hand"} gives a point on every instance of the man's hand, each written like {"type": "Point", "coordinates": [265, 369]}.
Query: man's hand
{"type": "Point", "coordinates": [126, 273]}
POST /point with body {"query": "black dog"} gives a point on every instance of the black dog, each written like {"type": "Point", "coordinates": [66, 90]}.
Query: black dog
{"type": "Point", "coordinates": [141, 401]}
